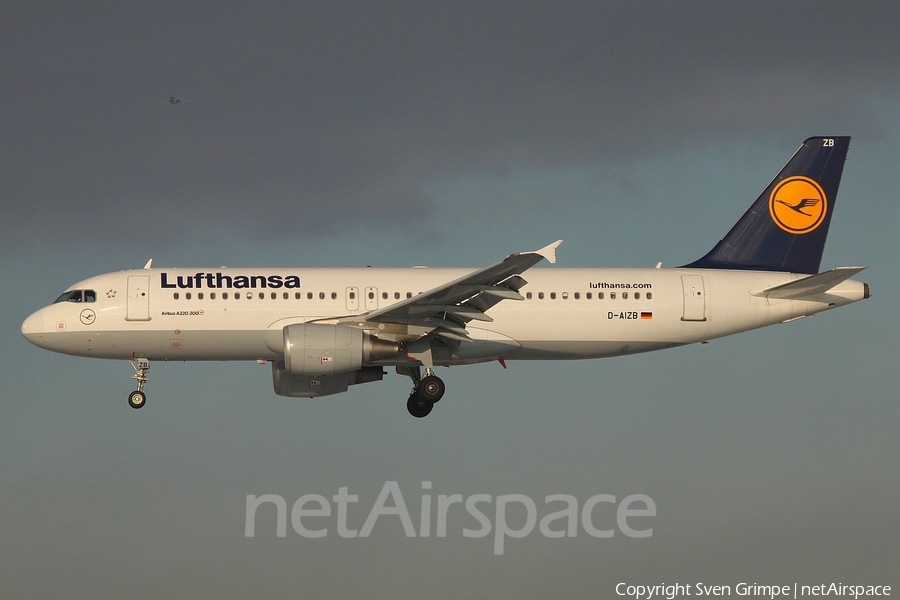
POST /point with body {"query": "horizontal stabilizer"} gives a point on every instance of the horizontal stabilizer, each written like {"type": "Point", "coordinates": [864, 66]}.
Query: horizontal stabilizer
{"type": "Point", "coordinates": [810, 286]}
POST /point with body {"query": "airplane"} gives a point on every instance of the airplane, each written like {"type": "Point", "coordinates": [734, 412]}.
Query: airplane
{"type": "Point", "coordinates": [323, 329]}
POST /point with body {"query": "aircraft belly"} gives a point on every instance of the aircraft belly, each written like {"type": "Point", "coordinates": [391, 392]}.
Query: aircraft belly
{"type": "Point", "coordinates": [485, 345]}
{"type": "Point", "coordinates": [572, 350]}
{"type": "Point", "coordinates": [164, 345]}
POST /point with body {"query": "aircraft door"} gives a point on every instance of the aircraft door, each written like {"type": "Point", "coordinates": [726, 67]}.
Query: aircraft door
{"type": "Point", "coordinates": [694, 298]}
{"type": "Point", "coordinates": [371, 298]}
{"type": "Point", "coordinates": [352, 299]}
{"type": "Point", "coordinates": [137, 303]}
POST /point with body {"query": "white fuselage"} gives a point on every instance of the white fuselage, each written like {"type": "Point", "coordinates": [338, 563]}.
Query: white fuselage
{"type": "Point", "coordinates": [239, 314]}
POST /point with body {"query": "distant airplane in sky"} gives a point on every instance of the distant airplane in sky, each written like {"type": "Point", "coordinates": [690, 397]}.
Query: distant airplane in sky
{"type": "Point", "coordinates": [325, 329]}
{"type": "Point", "coordinates": [176, 99]}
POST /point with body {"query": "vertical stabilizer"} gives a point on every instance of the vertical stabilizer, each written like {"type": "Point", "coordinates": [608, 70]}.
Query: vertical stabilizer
{"type": "Point", "coordinates": [785, 228]}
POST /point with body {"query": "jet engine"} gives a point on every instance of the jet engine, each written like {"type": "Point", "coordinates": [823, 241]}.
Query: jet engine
{"type": "Point", "coordinates": [317, 349]}
{"type": "Point", "coordinates": [314, 386]}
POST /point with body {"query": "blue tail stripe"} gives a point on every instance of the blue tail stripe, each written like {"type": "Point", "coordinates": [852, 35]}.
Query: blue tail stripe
{"type": "Point", "coordinates": [790, 236]}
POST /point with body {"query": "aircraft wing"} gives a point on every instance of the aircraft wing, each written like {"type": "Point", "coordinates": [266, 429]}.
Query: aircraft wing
{"type": "Point", "coordinates": [810, 286]}
{"type": "Point", "coordinates": [446, 309]}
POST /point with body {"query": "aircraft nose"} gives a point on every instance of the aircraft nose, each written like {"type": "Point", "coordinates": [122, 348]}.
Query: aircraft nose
{"type": "Point", "coordinates": [33, 328]}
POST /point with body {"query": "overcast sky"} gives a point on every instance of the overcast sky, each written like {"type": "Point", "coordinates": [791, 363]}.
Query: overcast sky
{"type": "Point", "coordinates": [345, 134]}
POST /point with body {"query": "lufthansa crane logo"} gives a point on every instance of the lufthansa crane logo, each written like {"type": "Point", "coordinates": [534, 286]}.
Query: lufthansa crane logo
{"type": "Point", "coordinates": [798, 205]}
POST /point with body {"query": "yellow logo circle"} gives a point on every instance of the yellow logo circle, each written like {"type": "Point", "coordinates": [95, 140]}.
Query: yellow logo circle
{"type": "Point", "coordinates": [798, 205]}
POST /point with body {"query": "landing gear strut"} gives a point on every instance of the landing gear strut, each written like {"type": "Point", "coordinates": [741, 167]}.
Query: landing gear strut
{"type": "Point", "coordinates": [138, 398]}
{"type": "Point", "coordinates": [426, 390]}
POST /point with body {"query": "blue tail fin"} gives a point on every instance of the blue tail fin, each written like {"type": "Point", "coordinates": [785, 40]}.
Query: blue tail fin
{"type": "Point", "coordinates": [785, 229]}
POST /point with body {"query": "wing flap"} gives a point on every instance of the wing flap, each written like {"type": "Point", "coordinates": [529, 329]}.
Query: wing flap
{"type": "Point", "coordinates": [447, 308]}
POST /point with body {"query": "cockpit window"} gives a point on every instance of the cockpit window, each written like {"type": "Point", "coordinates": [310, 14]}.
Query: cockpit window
{"type": "Point", "coordinates": [78, 296]}
{"type": "Point", "coordinates": [73, 296]}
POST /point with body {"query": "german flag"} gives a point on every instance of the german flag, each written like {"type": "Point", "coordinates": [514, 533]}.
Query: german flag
{"type": "Point", "coordinates": [647, 315]}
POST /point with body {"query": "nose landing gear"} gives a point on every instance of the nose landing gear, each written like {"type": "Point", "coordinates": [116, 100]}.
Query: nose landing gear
{"type": "Point", "coordinates": [138, 398]}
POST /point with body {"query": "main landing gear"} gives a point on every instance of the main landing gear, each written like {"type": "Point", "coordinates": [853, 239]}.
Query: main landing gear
{"type": "Point", "coordinates": [138, 398]}
{"type": "Point", "coordinates": [427, 391]}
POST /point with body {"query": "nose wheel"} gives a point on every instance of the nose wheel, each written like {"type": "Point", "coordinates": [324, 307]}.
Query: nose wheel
{"type": "Point", "coordinates": [138, 398]}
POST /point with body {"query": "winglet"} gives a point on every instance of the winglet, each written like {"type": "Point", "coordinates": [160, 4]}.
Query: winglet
{"type": "Point", "coordinates": [549, 252]}
{"type": "Point", "coordinates": [149, 262]}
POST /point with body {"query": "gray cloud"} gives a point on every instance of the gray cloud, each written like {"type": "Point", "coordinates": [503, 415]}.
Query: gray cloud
{"type": "Point", "coordinates": [319, 115]}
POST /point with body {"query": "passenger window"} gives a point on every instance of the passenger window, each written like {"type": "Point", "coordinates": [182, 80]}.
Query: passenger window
{"type": "Point", "coordinates": [199, 295]}
{"type": "Point", "coordinates": [309, 295]}
{"type": "Point", "coordinates": [249, 295]}
{"type": "Point", "coordinates": [553, 295]}
{"type": "Point", "coordinates": [396, 295]}
{"type": "Point", "coordinates": [321, 295]}
{"type": "Point", "coordinates": [600, 296]}
{"type": "Point", "coordinates": [353, 295]}
{"type": "Point", "coordinates": [224, 295]}
{"type": "Point", "coordinates": [649, 295]}
{"type": "Point", "coordinates": [212, 295]}
{"type": "Point", "coordinates": [565, 295]}
{"type": "Point", "coordinates": [187, 296]}
{"type": "Point", "coordinates": [624, 295]}
{"type": "Point", "coordinates": [588, 296]}
{"type": "Point", "coordinates": [577, 295]}
{"type": "Point", "coordinates": [637, 295]}
{"type": "Point", "coordinates": [384, 295]}
{"type": "Point", "coordinates": [297, 295]}
{"type": "Point", "coordinates": [540, 295]}
{"type": "Point", "coordinates": [175, 295]}
{"type": "Point", "coordinates": [334, 295]}
{"type": "Point", "coordinates": [528, 295]}
{"type": "Point", "coordinates": [612, 295]}
{"type": "Point", "coordinates": [409, 294]}
{"type": "Point", "coordinates": [262, 295]}
{"type": "Point", "coordinates": [371, 295]}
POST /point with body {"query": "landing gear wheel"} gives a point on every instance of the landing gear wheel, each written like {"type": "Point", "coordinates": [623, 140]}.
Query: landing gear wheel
{"type": "Point", "coordinates": [430, 389]}
{"type": "Point", "coordinates": [137, 399]}
{"type": "Point", "coordinates": [417, 407]}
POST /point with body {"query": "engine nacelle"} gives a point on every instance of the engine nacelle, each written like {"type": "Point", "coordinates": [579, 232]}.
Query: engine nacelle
{"type": "Point", "coordinates": [316, 349]}
{"type": "Point", "coordinates": [314, 386]}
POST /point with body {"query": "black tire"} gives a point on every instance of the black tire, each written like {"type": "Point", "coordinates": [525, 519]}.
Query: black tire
{"type": "Point", "coordinates": [417, 407]}
{"type": "Point", "coordinates": [137, 399]}
{"type": "Point", "coordinates": [431, 389]}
